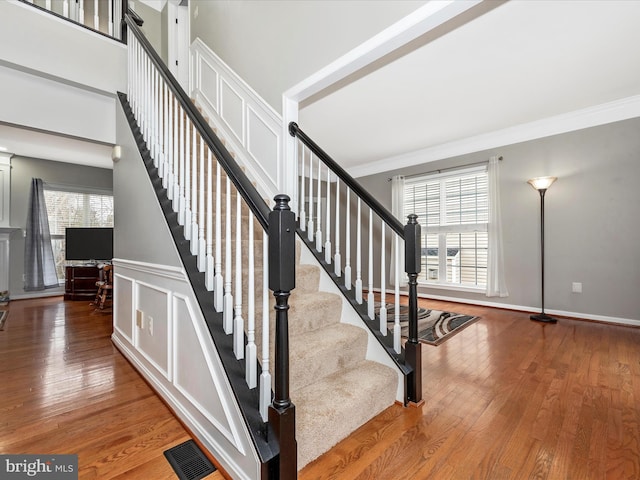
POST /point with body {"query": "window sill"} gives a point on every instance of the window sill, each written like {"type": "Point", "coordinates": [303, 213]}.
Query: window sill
{"type": "Point", "coordinates": [455, 288]}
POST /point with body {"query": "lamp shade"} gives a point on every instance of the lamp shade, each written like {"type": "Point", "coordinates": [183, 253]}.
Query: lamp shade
{"type": "Point", "coordinates": [542, 183]}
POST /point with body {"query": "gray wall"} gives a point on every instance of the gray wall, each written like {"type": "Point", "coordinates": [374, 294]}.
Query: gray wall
{"type": "Point", "coordinates": [153, 26]}
{"type": "Point", "coordinates": [273, 45]}
{"type": "Point", "coordinates": [23, 169]}
{"type": "Point", "coordinates": [141, 232]}
{"type": "Point", "coordinates": [591, 219]}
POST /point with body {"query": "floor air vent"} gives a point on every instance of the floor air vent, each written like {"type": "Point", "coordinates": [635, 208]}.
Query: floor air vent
{"type": "Point", "coordinates": [189, 462]}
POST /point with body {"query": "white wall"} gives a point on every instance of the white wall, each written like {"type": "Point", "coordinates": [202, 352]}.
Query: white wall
{"type": "Point", "coordinates": [38, 41]}
{"type": "Point", "coordinates": [273, 45]}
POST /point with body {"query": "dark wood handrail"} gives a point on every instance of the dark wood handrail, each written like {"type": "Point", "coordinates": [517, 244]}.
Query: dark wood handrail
{"type": "Point", "coordinates": [352, 183]}
{"type": "Point", "coordinates": [246, 189]}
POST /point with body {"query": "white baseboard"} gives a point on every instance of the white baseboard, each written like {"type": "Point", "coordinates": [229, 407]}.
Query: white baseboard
{"type": "Point", "coordinates": [524, 308]}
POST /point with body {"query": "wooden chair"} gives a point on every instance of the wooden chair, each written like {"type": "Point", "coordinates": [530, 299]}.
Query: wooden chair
{"type": "Point", "coordinates": [105, 287]}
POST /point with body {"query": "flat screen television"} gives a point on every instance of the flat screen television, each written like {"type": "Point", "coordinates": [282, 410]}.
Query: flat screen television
{"type": "Point", "coordinates": [89, 244]}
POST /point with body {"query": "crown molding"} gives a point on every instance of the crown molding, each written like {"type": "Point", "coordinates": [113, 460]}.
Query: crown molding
{"type": "Point", "coordinates": [602, 114]}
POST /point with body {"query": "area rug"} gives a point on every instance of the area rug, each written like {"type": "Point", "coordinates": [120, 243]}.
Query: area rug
{"type": "Point", "coordinates": [3, 318]}
{"type": "Point", "coordinates": [434, 326]}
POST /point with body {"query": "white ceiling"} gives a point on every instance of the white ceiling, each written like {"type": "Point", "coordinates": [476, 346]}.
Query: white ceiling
{"type": "Point", "coordinates": [516, 65]}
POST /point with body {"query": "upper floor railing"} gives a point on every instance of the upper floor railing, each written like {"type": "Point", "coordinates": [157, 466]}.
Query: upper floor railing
{"type": "Point", "coordinates": [102, 16]}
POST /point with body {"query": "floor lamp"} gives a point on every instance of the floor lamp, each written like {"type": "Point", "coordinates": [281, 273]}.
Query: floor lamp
{"type": "Point", "coordinates": [541, 184]}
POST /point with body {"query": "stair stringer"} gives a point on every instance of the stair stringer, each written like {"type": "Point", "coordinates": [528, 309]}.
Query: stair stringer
{"type": "Point", "coordinates": [375, 352]}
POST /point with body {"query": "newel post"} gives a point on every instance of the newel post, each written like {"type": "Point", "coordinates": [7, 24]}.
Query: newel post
{"type": "Point", "coordinates": [282, 279]}
{"type": "Point", "coordinates": [413, 348]}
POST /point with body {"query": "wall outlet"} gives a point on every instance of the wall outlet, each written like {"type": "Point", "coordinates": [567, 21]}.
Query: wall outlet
{"type": "Point", "coordinates": [139, 315]}
{"type": "Point", "coordinates": [576, 287]}
{"type": "Point", "coordinates": [150, 325]}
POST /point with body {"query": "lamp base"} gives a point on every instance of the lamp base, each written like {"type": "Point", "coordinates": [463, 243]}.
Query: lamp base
{"type": "Point", "coordinates": [543, 317]}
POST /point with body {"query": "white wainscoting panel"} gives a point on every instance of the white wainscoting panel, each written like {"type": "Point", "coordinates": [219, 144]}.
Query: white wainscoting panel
{"type": "Point", "coordinates": [232, 110]}
{"type": "Point", "coordinates": [123, 313]}
{"type": "Point", "coordinates": [178, 358]}
{"type": "Point", "coordinates": [250, 126]}
{"type": "Point", "coordinates": [208, 82]}
{"type": "Point", "coordinates": [152, 305]}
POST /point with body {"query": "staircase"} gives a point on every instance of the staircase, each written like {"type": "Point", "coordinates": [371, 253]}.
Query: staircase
{"type": "Point", "coordinates": [328, 358]}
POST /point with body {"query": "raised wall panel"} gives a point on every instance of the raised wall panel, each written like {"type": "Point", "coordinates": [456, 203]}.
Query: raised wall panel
{"type": "Point", "coordinates": [263, 144]}
{"type": "Point", "coordinates": [208, 83]}
{"type": "Point", "coordinates": [193, 369]}
{"type": "Point", "coordinates": [123, 315]}
{"type": "Point", "coordinates": [251, 128]}
{"type": "Point", "coordinates": [153, 335]}
{"type": "Point", "coordinates": [232, 110]}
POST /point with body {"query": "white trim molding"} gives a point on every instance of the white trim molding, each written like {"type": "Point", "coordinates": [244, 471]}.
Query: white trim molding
{"type": "Point", "coordinates": [610, 112]}
{"type": "Point", "coordinates": [250, 127]}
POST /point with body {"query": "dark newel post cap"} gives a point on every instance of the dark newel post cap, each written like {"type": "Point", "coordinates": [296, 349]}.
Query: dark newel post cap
{"type": "Point", "coordinates": [413, 218]}
{"type": "Point", "coordinates": [282, 202]}
{"type": "Point", "coordinates": [293, 128]}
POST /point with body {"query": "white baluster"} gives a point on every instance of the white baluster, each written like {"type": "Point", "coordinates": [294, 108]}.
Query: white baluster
{"type": "Point", "coordinates": [110, 7]}
{"type": "Point", "coordinates": [202, 244]}
{"type": "Point", "coordinates": [96, 16]}
{"type": "Point", "coordinates": [81, 12]}
{"type": "Point", "coordinates": [65, 9]}
{"type": "Point", "coordinates": [153, 139]}
{"type": "Point", "coordinates": [265, 376]}
{"type": "Point", "coordinates": [167, 138]}
{"type": "Point", "coordinates": [47, 4]}
{"type": "Point", "coordinates": [209, 267]}
{"type": "Point", "coordinates": [383, 284]}
{"type": "Point", "coordinates": [218, 284]}
{"type": "Point", "coordinates": [337, 259]}
{"type": "Point", "coordinates": [318, 211]}
{"type": "Point", "coordinates": [303, 215]}
{"type": "Point", "coordinates": [176, 156]}
{"type": "Point", "coordinates": [182, 169]}
{"type": "Point", "coordinates": [238, 321]}
{"type": "Point", "coordinates": [396, 322]}
{"type": "Point", "coordinates": [370, 298]}
{"type": "Point", "coordinates": [327, 243]}
{"type": "Point", "coordinates": [228, 296]}
{"type": "Point", "coordinates": [251, 350]}
{"type": "Point", "coordinates": [194, 201]}
{"type": "Point", "coordinates": [310, 224]}
{"type": "Point", "coordinates": [358, 283]}
{"type": "Point", "coordinates": [347, 250]}
{"type": "Point", "coordinates": [170, 142]}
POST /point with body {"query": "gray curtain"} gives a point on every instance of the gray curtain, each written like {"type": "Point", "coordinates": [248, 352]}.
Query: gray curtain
{"type": "Point", "coordinates": [39, 264]}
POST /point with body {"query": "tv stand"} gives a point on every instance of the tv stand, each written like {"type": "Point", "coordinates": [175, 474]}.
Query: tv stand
{"type": "Point", "coordinates": [80, 282]}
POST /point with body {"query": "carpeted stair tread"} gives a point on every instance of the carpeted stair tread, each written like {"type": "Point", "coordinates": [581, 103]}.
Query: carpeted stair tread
{"type": "Point", "coordinates": [331, 408]}
{"type": "Point", "coordinates": [311, 311]}
{"type": "Point", "coordinates": [323, 352]}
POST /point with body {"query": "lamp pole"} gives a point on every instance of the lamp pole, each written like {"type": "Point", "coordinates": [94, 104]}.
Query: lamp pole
{"type": "Point", "coordinates": [542, 184]}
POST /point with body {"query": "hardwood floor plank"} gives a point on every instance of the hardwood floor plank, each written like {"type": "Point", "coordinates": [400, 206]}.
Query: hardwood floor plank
{"type": "Point", "coordinates": [507, 398]}
{"type": "Point", "coordinates": [67, 389]}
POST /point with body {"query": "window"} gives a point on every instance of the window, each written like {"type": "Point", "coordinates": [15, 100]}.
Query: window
{"type": "Point", "coordinates": [74, 209]}
{"type": "Point", "coordinates": [453, 210]}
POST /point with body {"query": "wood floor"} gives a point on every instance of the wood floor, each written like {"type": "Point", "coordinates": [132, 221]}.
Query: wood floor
{"type": "Point", "coordinates": [506, 398]}
{"type": "Point", "coordinates": [66, 389]}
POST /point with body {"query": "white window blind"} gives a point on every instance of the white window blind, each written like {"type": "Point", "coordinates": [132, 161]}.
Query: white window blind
{"type": "Point", "coordinates": [453, 210]}
{"type": "Point", "coordinates": [74, 209]}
